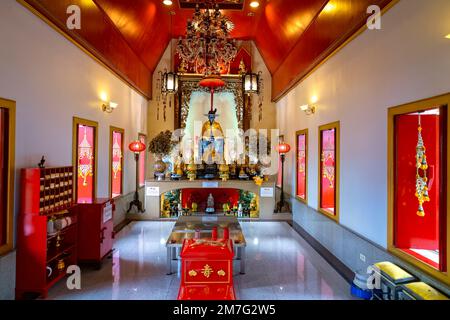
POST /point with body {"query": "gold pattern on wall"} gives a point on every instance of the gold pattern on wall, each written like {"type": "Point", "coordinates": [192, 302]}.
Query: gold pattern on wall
{"type": "Point", "coordinates": [85, 159]}
{"type": "Point", "coordinates": [327, 159]}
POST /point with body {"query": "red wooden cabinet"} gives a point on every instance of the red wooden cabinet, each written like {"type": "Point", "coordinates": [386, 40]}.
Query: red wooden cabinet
{"type": "Point", "coordinates": [46, 231]}
{"type": "Point", "coordinates": [95, 230]}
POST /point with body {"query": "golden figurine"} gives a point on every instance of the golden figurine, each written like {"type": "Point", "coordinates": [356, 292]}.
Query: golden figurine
{"type": "Point", "coordinates": [242, 67]}
{"type": "Point", "coordinates": [192, 170]}
{"type": "Point", "coordinates": [233, 168]}
{"type": "Point", "coordinates": [258, 180]}
{"type": "Point", "coordinates": [252, 169]}
{"type": "Point", "coordinates": [224, 171]}
{"type": "Point", "coordinates": [61, 265]}
{"type": "Point", "coordinates": [182, 68]}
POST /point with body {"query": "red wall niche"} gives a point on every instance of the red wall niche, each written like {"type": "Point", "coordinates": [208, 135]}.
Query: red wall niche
{"type": "Point", "coordinates": [328, 170]}
{"type": "Point", "coordinates": [410, 230]}
{"type": "Point", "coordinates": [116, 165]}
{"type": "Point", "coordinates": [85, 163]}
{"type": "Point", "coordinates": [301, 166]}
{"type": "Point", "coordinates": [3, 173]}
{"type": "Point", "coordinates": [200, 196]}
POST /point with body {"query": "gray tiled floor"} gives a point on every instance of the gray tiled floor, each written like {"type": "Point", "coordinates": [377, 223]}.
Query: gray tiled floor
{"type": "Point", "coordinates": [280, 265]}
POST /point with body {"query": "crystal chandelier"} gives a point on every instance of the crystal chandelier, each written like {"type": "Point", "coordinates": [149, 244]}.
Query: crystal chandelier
{"type": "Point", "coordinates": [207, 47]}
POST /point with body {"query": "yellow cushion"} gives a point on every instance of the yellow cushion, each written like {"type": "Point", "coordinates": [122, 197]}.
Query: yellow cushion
{"type": "Point", "coordinates": [424, 291]}
{"type": "Point", "coordinates": [393, 271]}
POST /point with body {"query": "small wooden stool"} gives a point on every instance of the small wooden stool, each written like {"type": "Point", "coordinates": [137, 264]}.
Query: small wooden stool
{"type": "Point", "coordinates": [420, 291]}
{"type": "Point", "coordinates": [392, 277]}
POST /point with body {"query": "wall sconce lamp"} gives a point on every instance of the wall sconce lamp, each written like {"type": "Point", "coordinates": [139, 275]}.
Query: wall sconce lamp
{"type": "Point", "coordinates": [109, 106]}
{"type": "Point", "coordinates": [169, 82]}
{"type": "Point", "coordinates": [251, 83]}
{"type": "Point", "coordinates": [309, 109]}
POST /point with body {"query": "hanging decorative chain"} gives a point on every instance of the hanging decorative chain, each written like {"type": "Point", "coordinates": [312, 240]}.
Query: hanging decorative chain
{"type": "Point", "coordinates": [207, 47]}
{"type": "Point", "coordinates": [158, 97]}
{"type": "Point", "coordinates": [261, 96]}
{"type": "Point", "coordinates": [421, 172]}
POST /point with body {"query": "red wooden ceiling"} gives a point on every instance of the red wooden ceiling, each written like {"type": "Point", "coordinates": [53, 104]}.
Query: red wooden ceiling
{"type": "Point", "coordinates": [130, 36]}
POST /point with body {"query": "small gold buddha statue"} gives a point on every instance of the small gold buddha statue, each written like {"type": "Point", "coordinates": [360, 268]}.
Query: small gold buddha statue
{"type": "Point", "coordinates": [192, 170]}
{"type": "Point", "coordinates": [224, 172]}
{"type": "Point", "coordinates": [242, 67]}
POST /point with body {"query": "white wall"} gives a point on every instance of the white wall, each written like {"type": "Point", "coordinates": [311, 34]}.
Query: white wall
{"type": "Point", "coordinates": [52, 80]}
{"type": "Point", "coordinates": [407, 60]}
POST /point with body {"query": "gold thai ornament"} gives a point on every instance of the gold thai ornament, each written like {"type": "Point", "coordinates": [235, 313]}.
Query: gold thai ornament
{"type": "Point", "coordinates": [327, 157]}
{"type": "Point", "coordinates": [117, 156]}
{"type": "Point", "coordinates": [85, 156]}
{"type": "Point", "coordinates": [328, 170]}
{"type": "Point", "coordinates": [421, 172]}
{"type": "Point", "coordinates": [301, 161]}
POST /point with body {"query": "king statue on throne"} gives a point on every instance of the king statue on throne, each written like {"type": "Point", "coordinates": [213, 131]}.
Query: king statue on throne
{"type": "Point", "coordinates": [212, 145]}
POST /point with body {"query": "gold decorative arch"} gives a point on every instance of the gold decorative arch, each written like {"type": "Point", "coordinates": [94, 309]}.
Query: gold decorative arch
{"type": "Point", "coordinates": [189, 84]}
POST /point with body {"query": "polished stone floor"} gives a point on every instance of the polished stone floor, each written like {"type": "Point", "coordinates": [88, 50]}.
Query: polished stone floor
{"type": "Point", "coordinates": [280, 265]}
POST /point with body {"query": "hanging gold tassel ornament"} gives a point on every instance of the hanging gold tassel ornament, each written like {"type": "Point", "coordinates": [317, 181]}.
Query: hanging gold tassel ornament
{"type": "Point", "coordinates": [421, 180]}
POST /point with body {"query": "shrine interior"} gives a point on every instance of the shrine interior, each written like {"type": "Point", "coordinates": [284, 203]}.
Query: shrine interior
{"type": "Point", "coordinates": [224, 150]}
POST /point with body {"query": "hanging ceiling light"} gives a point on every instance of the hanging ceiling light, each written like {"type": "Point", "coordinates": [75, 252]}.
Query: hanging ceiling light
{"type": "Point", "coordinates": [254, 4]}
{"type": "Point", "coordinates": [168, 82]}
{"type": "Point", "coordinates": [207, 47]}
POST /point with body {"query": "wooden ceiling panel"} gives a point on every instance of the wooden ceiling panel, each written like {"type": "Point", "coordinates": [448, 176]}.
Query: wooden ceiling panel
{"type": "Point", "coordinates": [292, 36]}
{"type": "Point", "coordinates": [332, 27]}
{"type": "Point", "coordinates": [100, 38]}
{"type": "Point", "coordinates": [281, 25]}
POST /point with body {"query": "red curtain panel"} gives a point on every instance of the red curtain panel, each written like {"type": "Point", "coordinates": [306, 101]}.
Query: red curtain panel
{"type": "Point", "coordinates": [411, 230]}
{"type": "Point", "coordinates": [301, 166]}
{"type": "Point", "coordinates": [86, 164]}
{"type": "Point", "coordinates": [328, 170]}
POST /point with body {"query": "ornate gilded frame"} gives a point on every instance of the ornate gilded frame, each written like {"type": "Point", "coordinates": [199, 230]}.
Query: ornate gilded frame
{"type": "Point", "coordinates": [11, 106]}
{"type": "Point", "coordinates": [299, 133]}
{"type": "Point", "coordinates": [76, 121]}
{"type": "Point", "coordinates": [189, 84]}
{"type": "Point", "coordinates": [334, 125]}
{"type": "Point", "coordinates": [113, 129]}
{"type": "Point", "coordinates": [443, 100]}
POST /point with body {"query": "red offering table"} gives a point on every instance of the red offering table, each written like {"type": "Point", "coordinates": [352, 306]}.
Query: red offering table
{"type": "Point", "coordinates": [207, 270]}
